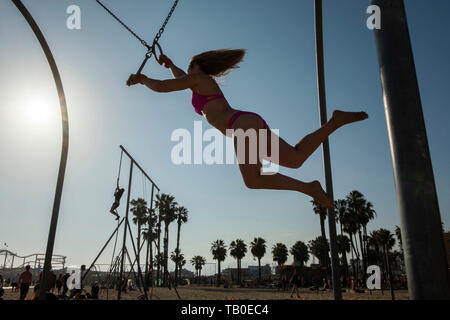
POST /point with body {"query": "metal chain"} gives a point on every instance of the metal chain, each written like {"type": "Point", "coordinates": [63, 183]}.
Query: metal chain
{"type": "Point", "coordinates": [151, 49]}
{"type": "Point", "coordinates": [161, 30]}
{"type": "Point", "coordinates": [142, 41]}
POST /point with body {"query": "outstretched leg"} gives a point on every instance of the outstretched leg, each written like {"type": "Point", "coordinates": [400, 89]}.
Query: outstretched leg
{"type": "Point", "coordinates": [253, 179]}
{"type": "Point", "coordinates": [294, 157]}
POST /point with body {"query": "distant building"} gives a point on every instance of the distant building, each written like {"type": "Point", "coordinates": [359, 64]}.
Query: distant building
{"type": "Point", "coordinates": [184, 273]}
{"type": "Point", "coordinates": [447, 246]}
{"type": "Point", "coordinates": [266, 271]}
{"type": "Point", "coordinates": [232, 274]}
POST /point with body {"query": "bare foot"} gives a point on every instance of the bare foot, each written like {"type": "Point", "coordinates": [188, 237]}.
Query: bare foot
{"type": "Point", "coordinates": [321, 196]}
{"type": "Point", "coordinates": [342, 118]}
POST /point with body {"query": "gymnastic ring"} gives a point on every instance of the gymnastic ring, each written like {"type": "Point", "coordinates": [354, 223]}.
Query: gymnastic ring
{"type": "Point", "coordinates": [160, 52]}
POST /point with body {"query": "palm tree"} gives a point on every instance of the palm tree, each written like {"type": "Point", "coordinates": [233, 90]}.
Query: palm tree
{"type": "Point", "coordinates": [349, 221]}
{"type": "Point", "coordinates": [280, 254]}
{"type": "Point", "coordinates": [181, 216]}
{"type": "Point", "coordinates": [238, 249]}
{"type": "Point", "coordinates": [219, 252]}
{"type": "Point", "coordinates": [177, 257]}
{"type": "Point", "coordinates": [322, 212]}
{"type": "Point", "coordinates": [340, 207]}
{"type": "Point", "coordinates": [158, 262]}
{"type": "Point", "coordinates": [139, 210]}
{"type": "Point", "coordinates": [386, 240]}
{"type": "Point", "coordinates": [373, 249]}
{"type": "Point", "coordinates": [167, 207]}
{"type": "Point", "coordinates": [149, 233]}
{"type": "Point", "coordinates": [343, 244]}
{"type": "Point", "coordinates": [168, 217]}
{"type": "Point", "coordinates": [258, 250]}
{"type": "Point", "coordinates": [159, 202]}
{"type": "Point", "coordinates": [198, 262]}
{"type": "Point", "coordinates": [366, 214]}
{"type": "Point", "coordinates": [355, 202]}
{"type": "Point", "coordinates": [181, 264]}
{"type": "Point", "coordinates": [318, 246]}
{"type": "Point", "coordinates": [300, 253]}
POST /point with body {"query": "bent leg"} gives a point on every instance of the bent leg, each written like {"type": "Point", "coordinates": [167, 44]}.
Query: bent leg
{"type": "Point", "coordinates": [253, 179]}
{"type": "Point", "coordinates": [294, 157]}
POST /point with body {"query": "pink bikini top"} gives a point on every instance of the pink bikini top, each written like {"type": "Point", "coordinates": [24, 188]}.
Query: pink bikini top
{"type": "Point", "coordinates": [199, 100]}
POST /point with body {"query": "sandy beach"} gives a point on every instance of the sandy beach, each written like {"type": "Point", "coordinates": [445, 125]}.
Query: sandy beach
{"type": "Point", "coordinates": [214, 293]}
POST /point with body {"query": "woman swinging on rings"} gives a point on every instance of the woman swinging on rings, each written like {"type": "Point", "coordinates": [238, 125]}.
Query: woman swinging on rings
{"type": "Point", "coordinates": [208, 101]}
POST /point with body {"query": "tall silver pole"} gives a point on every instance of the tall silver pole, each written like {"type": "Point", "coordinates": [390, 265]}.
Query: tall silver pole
{"type": "Point", "coordinates": [124, 247]}
{"type": "Point", "coordinates": [149, 232]}
{"type": "Point", "coordinates": [326, 148]}
{"type": "Point", "coordinates": [65, 146]}
{"type": "Point", "coordinates": [423, 244]}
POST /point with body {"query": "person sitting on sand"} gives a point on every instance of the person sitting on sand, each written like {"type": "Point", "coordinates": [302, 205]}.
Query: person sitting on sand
{"type": "Point", "coordinates": [48, 296]}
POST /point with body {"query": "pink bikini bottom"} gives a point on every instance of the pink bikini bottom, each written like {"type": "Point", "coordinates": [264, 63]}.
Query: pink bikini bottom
{"type": "Point", "coordinates": [237, 114]}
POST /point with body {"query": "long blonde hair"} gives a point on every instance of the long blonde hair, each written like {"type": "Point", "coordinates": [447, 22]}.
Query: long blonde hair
{"type": "Point", "coordinates": [218, 63]}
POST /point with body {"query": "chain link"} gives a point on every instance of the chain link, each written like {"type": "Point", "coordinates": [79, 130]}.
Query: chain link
{"type": "Point", "coordinates": [161, 30]}
{"type": "Point", "coordinates": [151, 49]}
{"type": "Point", "coordinates": [142, 41]}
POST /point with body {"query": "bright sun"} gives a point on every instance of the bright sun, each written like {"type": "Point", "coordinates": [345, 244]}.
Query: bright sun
{"type": "Point", "coordinates": [38, 111]}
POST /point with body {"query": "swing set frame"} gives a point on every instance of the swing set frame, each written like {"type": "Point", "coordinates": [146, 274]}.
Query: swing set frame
{"type": "Point", "coordinates": [124, 253]}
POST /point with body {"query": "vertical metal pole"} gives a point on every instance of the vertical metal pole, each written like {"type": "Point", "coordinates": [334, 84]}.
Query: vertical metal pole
{"type": "Point", "coordinates": [65, 146]}
{"type": "Point", "coordinates": [140, 278]}
{"type": "Point", "coordinates": [149, 232]}
{"type": "Point", "coordinates": [326, 148]}
{"type": "Point", "coordinates": [389, 271]}
{"type": "Point", "coordinates": [423, 244]}
{"type": "Point", "coordinates": [124, 248]}
{"type": "Point", "coordinates": [12, 266]}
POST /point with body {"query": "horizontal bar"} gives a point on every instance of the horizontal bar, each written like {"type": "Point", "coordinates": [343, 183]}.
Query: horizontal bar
{"type": "Point", "coordinates": [137, 164]}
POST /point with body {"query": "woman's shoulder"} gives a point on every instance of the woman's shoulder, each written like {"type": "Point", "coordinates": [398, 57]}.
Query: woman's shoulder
{"type": "Point", "coordinates": [206, 85]}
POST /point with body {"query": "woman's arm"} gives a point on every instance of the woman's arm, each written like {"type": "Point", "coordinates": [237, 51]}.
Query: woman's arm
{"type": "Point", "coordinates": [177, 72]}
{"type": "Point", "coordinates": [182, 83]}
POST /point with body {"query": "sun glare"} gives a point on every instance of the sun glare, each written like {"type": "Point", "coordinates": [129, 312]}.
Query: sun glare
{"type": "Point", "coordinates": [38, 111]}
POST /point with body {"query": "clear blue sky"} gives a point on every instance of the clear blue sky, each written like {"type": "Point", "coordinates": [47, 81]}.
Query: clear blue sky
{"type": "Point", "coordinates": [277, 79]}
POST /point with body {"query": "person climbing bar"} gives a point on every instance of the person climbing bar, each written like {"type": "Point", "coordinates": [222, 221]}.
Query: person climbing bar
{"type": "Point", "coordinates": [117, 195]}
{"type": "Point", "coordinates": [209, 101]}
